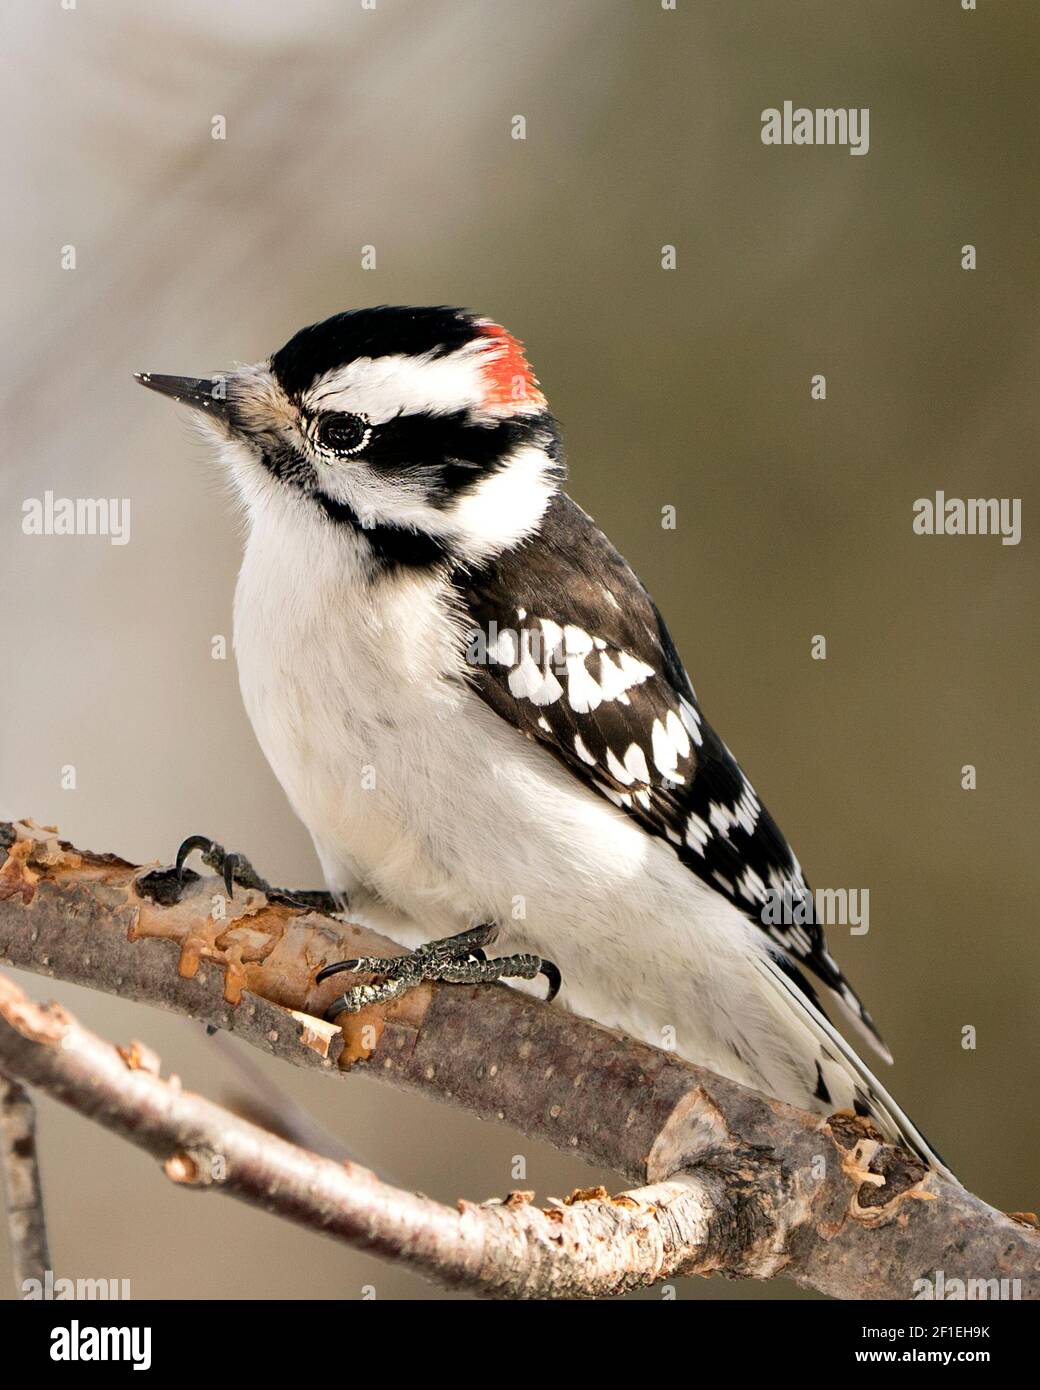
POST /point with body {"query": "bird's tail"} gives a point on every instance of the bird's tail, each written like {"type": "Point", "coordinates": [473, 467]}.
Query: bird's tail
{"type": "Point", "coordinates": [839, 1063]}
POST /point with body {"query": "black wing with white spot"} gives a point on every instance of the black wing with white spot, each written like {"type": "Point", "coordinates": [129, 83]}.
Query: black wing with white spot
{"type": "Point", "coordinates": [567, 645]}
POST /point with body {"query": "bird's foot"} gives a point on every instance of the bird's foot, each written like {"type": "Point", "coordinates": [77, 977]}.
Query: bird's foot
{"type": "Point", "coordinates": [456, 960]}
{"type": "Point", "coordinates": [232, 868]}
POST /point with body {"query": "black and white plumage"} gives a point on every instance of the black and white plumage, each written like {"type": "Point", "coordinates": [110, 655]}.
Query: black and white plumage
{"type": "Point", "coordinates": [478, 712]}
{"type": "Point", "coordinates": [581, 661]}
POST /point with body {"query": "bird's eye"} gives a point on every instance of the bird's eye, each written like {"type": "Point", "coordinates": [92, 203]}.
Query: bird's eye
{"type": "Point", "coordinates": [341, 433]}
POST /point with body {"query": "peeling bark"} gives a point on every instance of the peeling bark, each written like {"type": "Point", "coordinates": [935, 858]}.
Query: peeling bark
{"type": "Point", "coordinates": [765, 1188]}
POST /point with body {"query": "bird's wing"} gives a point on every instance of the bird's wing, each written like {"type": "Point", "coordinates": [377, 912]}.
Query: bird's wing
{"type": "Point", "coordinates": [567, 645]}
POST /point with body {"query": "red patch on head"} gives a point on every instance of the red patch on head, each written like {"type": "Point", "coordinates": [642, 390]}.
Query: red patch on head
{"type": "Point", "coordinates": [510, 381]}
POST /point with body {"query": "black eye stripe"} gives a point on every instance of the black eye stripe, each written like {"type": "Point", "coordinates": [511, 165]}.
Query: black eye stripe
{"type": "Point", "coordinates": [461, 450]}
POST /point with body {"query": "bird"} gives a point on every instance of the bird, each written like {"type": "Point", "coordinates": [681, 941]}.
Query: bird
{"type": "Point", "coordinates": [477, 711]}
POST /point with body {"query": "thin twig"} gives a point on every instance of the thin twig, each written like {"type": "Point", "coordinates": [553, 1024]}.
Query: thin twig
{"type": "Point", "coordinates": [23, 1191]}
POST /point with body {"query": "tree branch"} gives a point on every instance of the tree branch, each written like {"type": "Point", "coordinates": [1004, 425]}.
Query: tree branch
{"type": "Point", "coordinates": [765, 1189]}
{"type": "Point", "coordinates": [592, 1246]}
{"type": "Point", "coordinates": [23, 1191]}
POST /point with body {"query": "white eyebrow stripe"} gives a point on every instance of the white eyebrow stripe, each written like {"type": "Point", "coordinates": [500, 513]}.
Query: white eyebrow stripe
{"type": "Point", "coordinates": [385, 387]}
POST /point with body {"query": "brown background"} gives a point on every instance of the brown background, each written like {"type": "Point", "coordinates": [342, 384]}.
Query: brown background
{"type": "Point", "coordinates": [391, 128]}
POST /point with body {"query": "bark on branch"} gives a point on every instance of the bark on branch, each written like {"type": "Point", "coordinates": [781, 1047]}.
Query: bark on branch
{"type": "Point", "coordinates": [592, 1246]}
{"type": "Point", "coordinates": [733, 1182]}
{"type": "Point", "coordinates": [22, 1189]}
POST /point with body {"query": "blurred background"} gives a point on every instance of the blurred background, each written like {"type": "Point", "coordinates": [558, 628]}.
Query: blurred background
{"type": "Point", "coordinates": [391, 128]}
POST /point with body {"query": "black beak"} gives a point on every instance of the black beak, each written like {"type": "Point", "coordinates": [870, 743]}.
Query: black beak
{"type": "Point", "coordinates": [204, 393]}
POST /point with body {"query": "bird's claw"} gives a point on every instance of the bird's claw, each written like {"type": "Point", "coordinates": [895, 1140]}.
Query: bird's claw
{"type": "Point", "coordinates": [188, 846]}
{"type": "Point", "coordinates": [236, 868]}
{"type": "Point", "coordinates": [232, 868]}
{"type": "Point", "coordinates": [555, 979]}
{"type": "Point", "coordinates": [455, 960]}
{"type": "Point", "coordinates": [214, 857]}
{"type": "Point", "coordinates": [230, 865]}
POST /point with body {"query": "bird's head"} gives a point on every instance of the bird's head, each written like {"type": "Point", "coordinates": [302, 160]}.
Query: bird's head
{"type": "Point", "coordinates": [421, 432]}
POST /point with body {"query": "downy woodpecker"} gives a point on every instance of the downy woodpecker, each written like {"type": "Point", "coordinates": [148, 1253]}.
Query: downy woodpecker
{"type": "Point", "coordinates": [477, 711]}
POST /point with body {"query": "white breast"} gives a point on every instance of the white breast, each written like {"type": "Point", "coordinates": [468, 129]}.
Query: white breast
{"type": "Point", "coordinates": [406, 781]}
